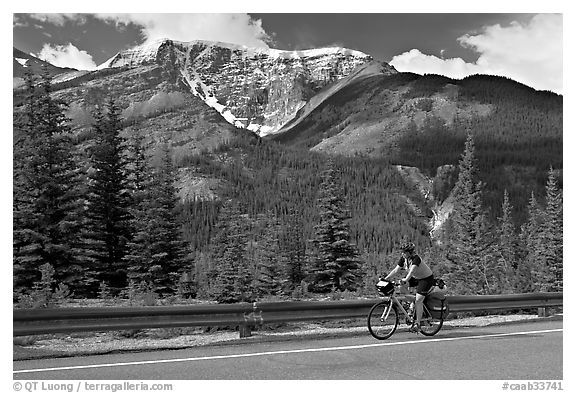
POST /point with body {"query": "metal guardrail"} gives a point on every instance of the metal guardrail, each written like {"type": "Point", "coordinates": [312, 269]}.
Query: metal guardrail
{"type": "Point", "coordinates": [244, 315]}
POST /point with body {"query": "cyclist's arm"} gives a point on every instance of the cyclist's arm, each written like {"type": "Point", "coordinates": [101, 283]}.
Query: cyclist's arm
{"type": "Point", "coordinates": [410, 272]}
{"type": "Point", "coordinates": [393, 273]}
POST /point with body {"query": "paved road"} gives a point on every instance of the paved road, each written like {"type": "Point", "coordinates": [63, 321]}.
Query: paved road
{"type": "Point", "coordinates": [522, 351]}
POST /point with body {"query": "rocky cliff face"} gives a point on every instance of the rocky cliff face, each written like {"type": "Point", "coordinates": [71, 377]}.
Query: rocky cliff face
{"type": "Point", "coordinates": [438, 207]}
{"type": "Point", "coordinates": [257, 89]}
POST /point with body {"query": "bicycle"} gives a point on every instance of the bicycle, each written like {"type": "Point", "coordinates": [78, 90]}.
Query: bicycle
{"type": "Point", "coordinates": [383, 318]}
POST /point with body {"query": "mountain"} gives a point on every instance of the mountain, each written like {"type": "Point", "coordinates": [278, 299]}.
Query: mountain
{"type": "Point", "coordinates": [200, 95]}
{"type": "Point", "coordinates": [155, 103]}
{"type": "Point", "coordinates": [254, 88]}
{"type": "Point", "coordinates": [23, 62]}
{"type": "Point", "coordinates": [370, 115]}
{"type": "Point", "coordinates": [422, 121]}
{"type": "Point", "coordinates": [254, 133]}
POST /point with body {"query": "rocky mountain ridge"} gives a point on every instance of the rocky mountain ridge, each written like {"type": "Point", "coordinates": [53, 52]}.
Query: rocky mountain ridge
{"type": "Point", "coordinates": [21, 62]}
{"type": "Point", "coordinates": [254, 88]}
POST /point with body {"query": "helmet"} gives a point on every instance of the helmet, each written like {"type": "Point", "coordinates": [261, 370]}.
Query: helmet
{"type": "Point", "coordinates": [385, 287]}
{"type": "Point", "coordinates": [407, 247]}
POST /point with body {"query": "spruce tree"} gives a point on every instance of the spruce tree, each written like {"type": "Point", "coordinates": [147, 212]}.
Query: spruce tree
{"type": "Point", "coordinates": [107, 215]}
{"type": "Point", "coordinates": [46, 203]}
{"type": "Point", "coordinates": [140, 180]}
{"type": "Point", "coordinates": [337, 266]}
{"type": "Point", "coordinates": [268, 259]}
{"type": "Point", "coordinates": [507, 248]}
{"type": "Point", "coordinates": [156, 253]}
{"type": "Point", "coordinates": [552, 233]}
{"type": "Point", "coordinates": [293, 248]}
{"type": "Point", "coordinates": [527, 272]}
{"type": "Point", "coordinates": [233, 280]}
{"type": "Point", "coordinates": [469, 243]}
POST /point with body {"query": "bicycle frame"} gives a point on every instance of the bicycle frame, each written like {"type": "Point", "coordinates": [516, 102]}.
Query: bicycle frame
{"type": "Point", "coordinates": [399, 305]}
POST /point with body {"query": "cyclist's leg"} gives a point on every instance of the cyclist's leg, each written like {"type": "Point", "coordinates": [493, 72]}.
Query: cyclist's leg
{"type": "Point", "coordinates": [419, 305]}
{"type": "Point", "coordinates": [412, 287]}
{"type": "Point", "coordinates": [422, 289]}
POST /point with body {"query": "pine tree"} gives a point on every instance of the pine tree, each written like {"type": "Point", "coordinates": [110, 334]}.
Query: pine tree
{"type": "Point", "coordinates": [337, 266]}
{"type": "Point", "coordinates": [46, 204]}
{"type": "Point", "coordinates": [552, 233]}
{"type": "Point", "coordinates": [137, 168]}
{"type": "Point", "coordinates": [156, 254]}
{"type": "Point", "coordinates": [140, 181]}
{"type": "Point", "coordinates": [107, 224]}
{"type": "Point", "coordinates": [268, 259]}
{"type": "Point", "coordinates": [233, 281]}
{"type": "Point", "coordinates": [469, 243]}
{"type": "Point", "coordinates": [530, 240]}
{"type": "Point", "coordinates": [507, 248]}
{"type": "Point", "coordinates": [294, 250]}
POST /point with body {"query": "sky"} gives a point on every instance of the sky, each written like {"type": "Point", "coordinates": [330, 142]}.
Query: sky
{"type": "Point", "coordinates": [527, 47]}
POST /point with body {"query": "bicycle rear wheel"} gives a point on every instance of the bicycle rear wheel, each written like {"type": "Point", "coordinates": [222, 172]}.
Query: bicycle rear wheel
{"type": "Point", "coordinates": [382, 320]}
{"type": "Point", "coordinates": [429, 325]}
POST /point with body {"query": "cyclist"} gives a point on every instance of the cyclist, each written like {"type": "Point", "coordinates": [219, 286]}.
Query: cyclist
{"type": "Point", "coordinates": [419, 275]}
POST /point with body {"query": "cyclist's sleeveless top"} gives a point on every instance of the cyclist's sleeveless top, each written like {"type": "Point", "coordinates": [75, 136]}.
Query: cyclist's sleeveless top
{"type": "Point", "coordinates": [422, 270]}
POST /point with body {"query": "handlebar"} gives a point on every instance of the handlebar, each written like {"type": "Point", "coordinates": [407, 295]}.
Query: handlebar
{"type": "Point", "coordinates": [396, 283]}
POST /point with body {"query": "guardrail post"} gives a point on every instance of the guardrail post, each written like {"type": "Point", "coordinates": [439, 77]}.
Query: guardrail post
{"type": "Point", "coordinates": [543, 312]}
{"type": "Point", "coordinates": [251, 320]}
{"type": "Point", "coordinates": [245, 330]}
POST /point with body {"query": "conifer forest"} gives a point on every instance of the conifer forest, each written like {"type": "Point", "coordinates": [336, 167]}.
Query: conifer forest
{"type": "Point", "coordinates": [100, 217]}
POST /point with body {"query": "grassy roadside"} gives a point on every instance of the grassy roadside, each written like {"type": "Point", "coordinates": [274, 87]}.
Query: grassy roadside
{"type": "Point", "coordinates": [85, 344]}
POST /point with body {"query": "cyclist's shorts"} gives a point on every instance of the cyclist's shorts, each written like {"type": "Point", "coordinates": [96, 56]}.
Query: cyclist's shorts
{"type": "Point", "coordinates": [424, 285]}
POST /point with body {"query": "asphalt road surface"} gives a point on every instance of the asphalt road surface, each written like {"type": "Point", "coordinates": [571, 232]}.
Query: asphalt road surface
{"type": "Point", "coordinates": [520, 351]}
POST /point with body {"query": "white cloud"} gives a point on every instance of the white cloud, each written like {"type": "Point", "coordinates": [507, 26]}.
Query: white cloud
{"type": "Point", "coordinates": [528, 53]}
{"type": "Point", "coordinates": [233, 28]}
{"type": "Point", "coordinates": [420, 63]}
{"type": "Point", "coordinates": [59, 19]}
{"type": "Point", "coordinates": [67, 56]}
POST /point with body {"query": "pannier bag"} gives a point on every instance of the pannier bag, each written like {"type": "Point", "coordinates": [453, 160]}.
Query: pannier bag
{"type": "Point", "coordinates": [437, 292]}
{"type": "Point", "coordinates": [436, 301]}
{"type": "Point", "coordinates": [440, 286]}
{"type": "Point", "coordinates": [437, 305]}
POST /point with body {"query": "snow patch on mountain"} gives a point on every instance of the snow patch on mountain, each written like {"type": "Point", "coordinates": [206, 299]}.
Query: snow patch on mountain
{"type": "Point", "coordinates": [142, 54]}
{"type": "Point", "coordinates": [200, 89]}
{"type": "Point", "coordinates": [260, 89]}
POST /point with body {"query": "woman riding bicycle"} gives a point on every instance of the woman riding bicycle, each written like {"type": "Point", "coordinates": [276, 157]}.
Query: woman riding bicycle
{"type": "Point", "coordinates": [419, 275]}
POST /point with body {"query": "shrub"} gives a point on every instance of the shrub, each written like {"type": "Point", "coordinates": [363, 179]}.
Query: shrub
{"type": "Point", "coordinates": [42, 295]}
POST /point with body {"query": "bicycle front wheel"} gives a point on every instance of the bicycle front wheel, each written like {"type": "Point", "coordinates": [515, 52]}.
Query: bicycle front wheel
{"type": "Point", "coordinates": [382, 320]}
{"type": "Point", "coordinates": [429, 325]}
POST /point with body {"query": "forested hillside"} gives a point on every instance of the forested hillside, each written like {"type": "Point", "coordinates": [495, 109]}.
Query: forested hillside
{"type": "Point", "coordinates": [123, 195]}
{"type": "Point", "coordinates": [101, 212]}
{"type": "Point", "coordinates": [422, 121]}
{"type": "Point", "coordinates": [516, 144]}
{"type": "Point", "coordinates": [267, 177]}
